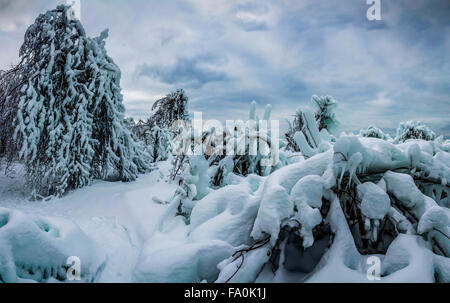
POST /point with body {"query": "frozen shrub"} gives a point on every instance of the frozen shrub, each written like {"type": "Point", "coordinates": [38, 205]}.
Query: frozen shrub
{"type": "Point", "coordinates": [321, 117]}
{"type": "Point", "coordinates": [325, 116]}
{"type": "Point", "coordinates": [374, 132]}
{"type": "Point", "coordinates": [414, 130]}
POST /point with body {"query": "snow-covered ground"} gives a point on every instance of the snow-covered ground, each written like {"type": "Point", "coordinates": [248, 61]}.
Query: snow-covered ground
{"type": "Point", "coordinates": [118, 216]}
{"type": "Point", "coordinates": [121, 234]}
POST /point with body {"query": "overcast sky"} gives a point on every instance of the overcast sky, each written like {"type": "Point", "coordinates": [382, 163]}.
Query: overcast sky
{"type": "Point", "coordinates": [227, 53]}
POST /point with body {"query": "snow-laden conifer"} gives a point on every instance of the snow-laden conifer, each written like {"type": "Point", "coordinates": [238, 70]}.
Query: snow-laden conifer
{"type": "Point", "coordinates": [69, 120]}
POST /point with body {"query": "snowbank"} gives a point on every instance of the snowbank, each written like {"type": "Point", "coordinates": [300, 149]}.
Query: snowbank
{"type": "Point", "coordinates": [37, 248]}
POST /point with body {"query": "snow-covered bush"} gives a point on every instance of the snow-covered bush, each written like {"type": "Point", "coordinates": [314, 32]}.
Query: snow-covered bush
{"type": "Point", "coordinates": [309, 128]}
{"type": "Point", "coordinates": [319, 220]}
{"type": "Point", "coordinates": [242, 161]}
{"type": "Point", "coordinates": [374, 132]}
{"type": "Point", "coordinates": [69, 118]}
{"type": "Point", "coordinates": [414, 130]}
{"type": "Point", "coordinates": [34, 248]}
{"type": "Point", "coordinates": [193, 185]}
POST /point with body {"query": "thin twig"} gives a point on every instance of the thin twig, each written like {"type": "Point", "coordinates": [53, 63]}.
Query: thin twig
{"type": "Point", "coordinates": [256, 245]}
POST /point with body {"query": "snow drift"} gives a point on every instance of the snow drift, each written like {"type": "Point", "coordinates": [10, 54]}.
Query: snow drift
{"type": "Point", "coordinates": [34, 248]}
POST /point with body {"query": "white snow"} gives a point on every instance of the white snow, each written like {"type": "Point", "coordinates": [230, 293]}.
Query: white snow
{"type": "Point", "coordinates": [37, 248]}
{"type": "Point", "coordinates": [119, 217]}
{"type": "Point", "coordinates": [375, 202]}
{"type": "Point", "coordinates": [118, 223]}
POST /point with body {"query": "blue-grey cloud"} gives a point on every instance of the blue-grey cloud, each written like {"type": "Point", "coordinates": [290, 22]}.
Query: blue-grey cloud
{"type": "Point", "coordinates": [227, 53]}
{"type": "Point", "coordinates": [187, 72]}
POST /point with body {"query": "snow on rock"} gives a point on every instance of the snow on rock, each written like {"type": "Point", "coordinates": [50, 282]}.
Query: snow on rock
{"type": "Point", "coordinates": [375, 202]}
{"type": "Point", "coordinates": [34, 248]}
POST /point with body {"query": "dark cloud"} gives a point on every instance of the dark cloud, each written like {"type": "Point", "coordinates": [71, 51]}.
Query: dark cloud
{"type": "Point", "coordinates": [188, 72]}
{"type": "Point", "coordinates": [227, 53]}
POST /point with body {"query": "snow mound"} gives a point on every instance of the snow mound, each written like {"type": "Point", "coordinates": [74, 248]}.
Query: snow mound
{"type": "Point", "coordinates": [37, 249]}
{"type": "Point", "coordinates": [182, 263]}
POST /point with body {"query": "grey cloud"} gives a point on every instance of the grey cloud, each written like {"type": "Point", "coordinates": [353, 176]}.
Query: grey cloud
{"type": "Point", "coordinates": [251, 16]}
{"type": "Point", "coordinates": [18, 14]}
{"type": "Point", "coordinates": [278, 52]}
{"type": "Point", "coordinates": [188, 72]}
{"type": "Point", "coordinates": [250, 26]}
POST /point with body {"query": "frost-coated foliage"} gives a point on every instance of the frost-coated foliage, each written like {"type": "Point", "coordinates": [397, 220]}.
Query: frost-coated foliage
{"type": "Point", "coordinates": [414, 130]}
{"type": "Point", "coordinates": [9, 84]}
{"type": "Point", "coordinates": [374, 132]}
{"type": "Point", "coordinates": [325, 115]}
{"type": "Point", "coordinates": [157, 132]}
{"type": "Point", "coordinates": [305, 121]}
{"type": "Point", "coordinates": [158, 141]}
{"type": "Point", "coordinates": [241, 140]}
{"type": "Point", "coordinates": [69, 122]}
{"type": "Point", "coordinates": [319, 220]}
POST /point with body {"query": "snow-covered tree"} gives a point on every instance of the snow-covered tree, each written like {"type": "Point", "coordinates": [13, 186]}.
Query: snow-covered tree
{"type": "Point", "coordinates": [116, 150]}
{"type": "Point", "coordinates": [10, 81]}
{"type": "Point", "coordinates": [129, 123]}
{"type": "Point", "coordinates": [414, 130]}
{"type": "Point", "coordinates": [169, 109]}
{"type": "Point", "coordinates": [158, 141]}
{"type": "Point", "coordinates": [69, 122]}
